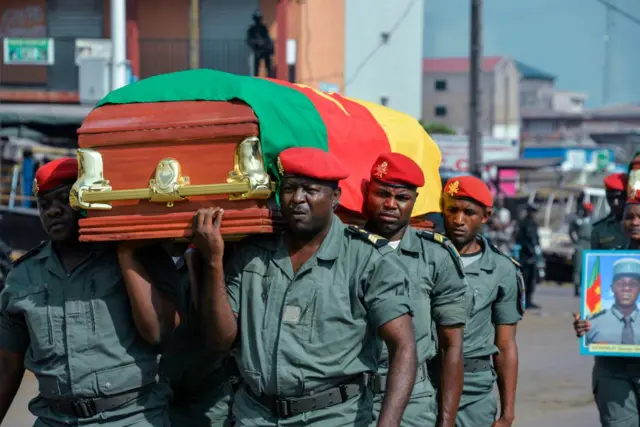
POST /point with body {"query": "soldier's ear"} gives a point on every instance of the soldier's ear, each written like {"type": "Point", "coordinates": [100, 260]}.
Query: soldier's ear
{"type": "Point", "coordinates": [335, 199]}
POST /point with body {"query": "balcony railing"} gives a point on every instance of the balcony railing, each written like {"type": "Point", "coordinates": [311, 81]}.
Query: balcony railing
{"type": "Point", "coordinates": [157, 56]}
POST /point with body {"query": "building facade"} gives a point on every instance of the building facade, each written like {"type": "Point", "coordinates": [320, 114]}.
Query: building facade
{"type": "Point", "coordinates": [349, 47]}
{"type": "Point", "coordinates": [445, 89]}
{"type": "Point", "coordinates": [383, 53]}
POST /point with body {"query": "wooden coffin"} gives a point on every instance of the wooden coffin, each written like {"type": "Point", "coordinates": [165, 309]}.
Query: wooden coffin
{"type": "Point", "coordinates": [144, 169]}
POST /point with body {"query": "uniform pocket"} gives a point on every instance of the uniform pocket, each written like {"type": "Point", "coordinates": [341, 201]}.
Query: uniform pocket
{"type": "Point", "coordinates": [34, 303]}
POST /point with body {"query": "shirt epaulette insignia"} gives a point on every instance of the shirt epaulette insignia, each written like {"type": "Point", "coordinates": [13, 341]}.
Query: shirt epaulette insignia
{"type": "Point", "coordinates": [30, 253]}
{"type": "Point", "coordinates": [445, 243]}
{"type": "Point", "coordinates": [597, 314]}
{"type": "Point", "coordinates": [374, 239]}
{"type": "Point", "coordinates": [495, 249]}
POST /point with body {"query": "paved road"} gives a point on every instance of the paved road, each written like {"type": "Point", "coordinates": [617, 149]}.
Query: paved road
{"type": "Point", "coordinates": [555, 381]}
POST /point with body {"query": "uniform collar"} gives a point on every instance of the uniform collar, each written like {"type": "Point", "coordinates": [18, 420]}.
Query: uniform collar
{"type": "Point", "coordinates": [329, 250]}
{"type": "Point", "coordinates": [486, 262]}
{"type": "Point", "coordinates": [53, 263]}
{"type": "Point", "coordinates": [633, 316]}
{"type": "Point", "coordinates": [410, 242]}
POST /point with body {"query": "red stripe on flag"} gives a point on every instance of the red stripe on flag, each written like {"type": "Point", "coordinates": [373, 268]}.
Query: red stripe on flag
{"type": "Point", "coordinates": [594, 290]}
{"type": "Point", "coordinates": [354, 136]}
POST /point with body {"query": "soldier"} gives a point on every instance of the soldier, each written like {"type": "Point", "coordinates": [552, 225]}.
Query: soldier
{"type": "Point", "coordinates": [305, 307]}
{"type": "Point", "coordinates": [580, 231]}
{"type": "Point", "coordinates": [497, 306]}
{"type": "Point", "coordinates": [199, 377]}
{"type": "Point", "coordinates": [615, 325]}
{"type": "Point", "coordinates": [530, 253]}
{"type": "Point", "coordinates": [87, 320]}
{"type": "Point", "coordinates": [615, 379]}
{"type": "Point", "coordinates": [607, 233]}
{"type": "Point", "coordinates": [438, 291]}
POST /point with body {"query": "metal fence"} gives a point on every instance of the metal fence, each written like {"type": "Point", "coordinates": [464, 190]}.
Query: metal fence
{"type": "Point", "coordinates": [157, 56]}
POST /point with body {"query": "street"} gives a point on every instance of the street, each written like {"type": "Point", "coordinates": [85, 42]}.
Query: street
{"type": "Point", "coordinates": [554, 387]}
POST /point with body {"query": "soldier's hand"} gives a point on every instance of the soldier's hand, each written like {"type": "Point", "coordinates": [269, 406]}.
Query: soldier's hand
{"type": "Point", "coordinates": [206, 233]}
{"type": "Point", "coordinates": [502, 423]}
{"type": "Point", "coordinates": [580, 326]}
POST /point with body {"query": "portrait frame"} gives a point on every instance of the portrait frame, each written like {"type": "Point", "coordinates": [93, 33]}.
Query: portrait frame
{"type": "Point", "coordinates": [606, 306]}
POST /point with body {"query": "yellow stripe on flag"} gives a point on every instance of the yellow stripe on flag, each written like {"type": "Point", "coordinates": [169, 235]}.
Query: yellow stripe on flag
{"type": "Point", "coordinates": [408, 137]}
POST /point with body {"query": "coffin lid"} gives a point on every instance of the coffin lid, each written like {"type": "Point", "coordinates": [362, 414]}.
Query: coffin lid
{"type": "Point", "coordinates": [165, 115]}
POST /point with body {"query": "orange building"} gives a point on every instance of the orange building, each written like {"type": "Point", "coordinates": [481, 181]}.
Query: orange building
{"type": "Point", "coordinates": [172, 35]}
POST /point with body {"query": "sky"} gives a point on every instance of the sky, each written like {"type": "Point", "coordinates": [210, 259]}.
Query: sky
{"type": "Point", "coordinates": [562, 37]}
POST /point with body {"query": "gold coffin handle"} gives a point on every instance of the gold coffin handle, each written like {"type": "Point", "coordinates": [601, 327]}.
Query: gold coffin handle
{"type": "Point", "coordinates": [247, 180]}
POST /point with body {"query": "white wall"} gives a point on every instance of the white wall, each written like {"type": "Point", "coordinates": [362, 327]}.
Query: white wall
{"type": "Point", "coordinates": [394, 70]}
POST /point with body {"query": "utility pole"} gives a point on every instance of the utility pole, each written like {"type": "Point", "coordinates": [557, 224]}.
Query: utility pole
{"type": "Point", "coordinates": [475, 136]}
{"type": "Point", "coordinates": [606, 66]}
{"type": "Point", "coordinates": [119, 42]}
{"type": "Point", "coordinates": [194, 34]}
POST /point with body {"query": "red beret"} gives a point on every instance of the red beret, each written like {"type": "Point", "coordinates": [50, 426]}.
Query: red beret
{"type": "Point", "coordinates": [55, 173]}
{"type": "Point", "coordinates": [469, 187]}
{"type": "Point", "coordinates": [616, 182]}
{"type": "Point", "coordinates": [311, 162]}
{"type": "Point", "coordinates": [396, 168]}
{"type": "Point", "coordinates": [588, 206]}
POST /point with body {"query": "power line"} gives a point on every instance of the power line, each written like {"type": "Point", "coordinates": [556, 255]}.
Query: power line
{"type": "Point", "coordinates": [383, 41]}
{"type": "Point", "coordinates": [624, 13]}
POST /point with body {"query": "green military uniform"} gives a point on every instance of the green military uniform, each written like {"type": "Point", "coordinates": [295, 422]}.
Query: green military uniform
{"type": "Point", "coordinates": [77, 332]}
{"type": "Point", "coordinates": [607, 233]}
{"type": "Point", "coordinates": [616, 386]}
{"type": "Point", "coordinates": [608, 326]}
{"type": "Point", "coordinates": [497, 299]}
{"type": "Point", "coordinates": [439, 294]}
{"type": "Point", "coordinates": [307, 339]}
{"type": "Point", "coordinates": [582, 227]}
{"type": "Point", "coordinates": [199, 378]}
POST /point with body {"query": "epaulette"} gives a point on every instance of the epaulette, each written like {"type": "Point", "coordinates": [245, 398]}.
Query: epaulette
{"type": "Point", "coordinates": [30, 253]}
{"type": "Point", "coordinates": [495, 249]}
{"type": "Point", "coordinates": [597, 314]}
{"type": "Point", "coordinates": [445, 243]}
{"type": "Point", "coordinates": [374, 239]}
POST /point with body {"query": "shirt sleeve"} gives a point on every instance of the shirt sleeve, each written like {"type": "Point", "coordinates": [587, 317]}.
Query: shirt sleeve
{"type": "Point", "coordinates": [386, 290]}
{"type": "Point", "coordinates": [505, 307]}
{"type": "Point", "coordinates": [234, 265]}
{"type": "Point", "coordinates": [451, 296]}
{"type": "Point", "coordinates": [163, 273]}
{"type": "Point", "coordinates": [14, 333]}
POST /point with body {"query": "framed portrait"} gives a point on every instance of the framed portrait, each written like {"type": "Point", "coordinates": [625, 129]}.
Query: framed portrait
{"type": "Point", "coordinates": [610, 291]}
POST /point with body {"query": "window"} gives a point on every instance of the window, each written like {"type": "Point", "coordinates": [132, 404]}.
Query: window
{"type": "Point", "coordinates": [441, 85]}
{"type": "Point", "coordinates": [440, 111]}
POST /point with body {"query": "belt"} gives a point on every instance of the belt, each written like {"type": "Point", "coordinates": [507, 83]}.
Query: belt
{"type": "Point", "coordinates": [288, 407]}
{"type": "Point", "coordinates": [477, 364]}
{"type": "Point", "coordinates": [87, 408]}
{"type": "Point", "coordinates": [378, 382]}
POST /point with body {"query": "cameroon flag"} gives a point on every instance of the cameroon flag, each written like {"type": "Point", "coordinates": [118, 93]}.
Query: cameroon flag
{"type": "Point", "coordinates": [292, 115]}
{"type": "Point", "coordinates": [594, 289]}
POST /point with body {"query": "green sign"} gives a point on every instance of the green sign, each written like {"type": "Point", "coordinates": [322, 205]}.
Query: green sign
{"type": "Point", "coordinates": [602, 160]}
{"type": "Point", "coordinates": [25, 51]}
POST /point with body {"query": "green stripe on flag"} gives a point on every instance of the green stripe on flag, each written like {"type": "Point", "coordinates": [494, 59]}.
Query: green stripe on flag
{"type": "Point", "coordinates": [287, 118]}
{"type": "Point", "coordinates": [595, 272]}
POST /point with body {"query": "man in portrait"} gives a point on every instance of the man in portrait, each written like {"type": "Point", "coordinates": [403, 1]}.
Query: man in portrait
{"type": "Point", "coordinates": [619, 324]}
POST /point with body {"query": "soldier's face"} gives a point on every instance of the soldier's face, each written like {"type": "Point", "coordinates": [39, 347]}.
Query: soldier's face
{"type": "Point", "coordinates": [626, 290]}
{"type": "Point", "coordinates": [631, 221]}
{"type": "Point", "coordinates": [307, 205]}
{"type": "Point", "coordinates": [463, 219]}
{"type": "Point", "coordinates": [389, 208]}
{"type": "Point", "coordinates": [59, 221]}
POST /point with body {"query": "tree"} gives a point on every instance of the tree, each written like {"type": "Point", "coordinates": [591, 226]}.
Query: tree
{"type": "Point", "coordinates": [437, 128]}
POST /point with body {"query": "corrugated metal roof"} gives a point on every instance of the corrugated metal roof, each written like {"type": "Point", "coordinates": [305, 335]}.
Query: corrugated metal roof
{"type": "Point", "coordinates": [458, 64]}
